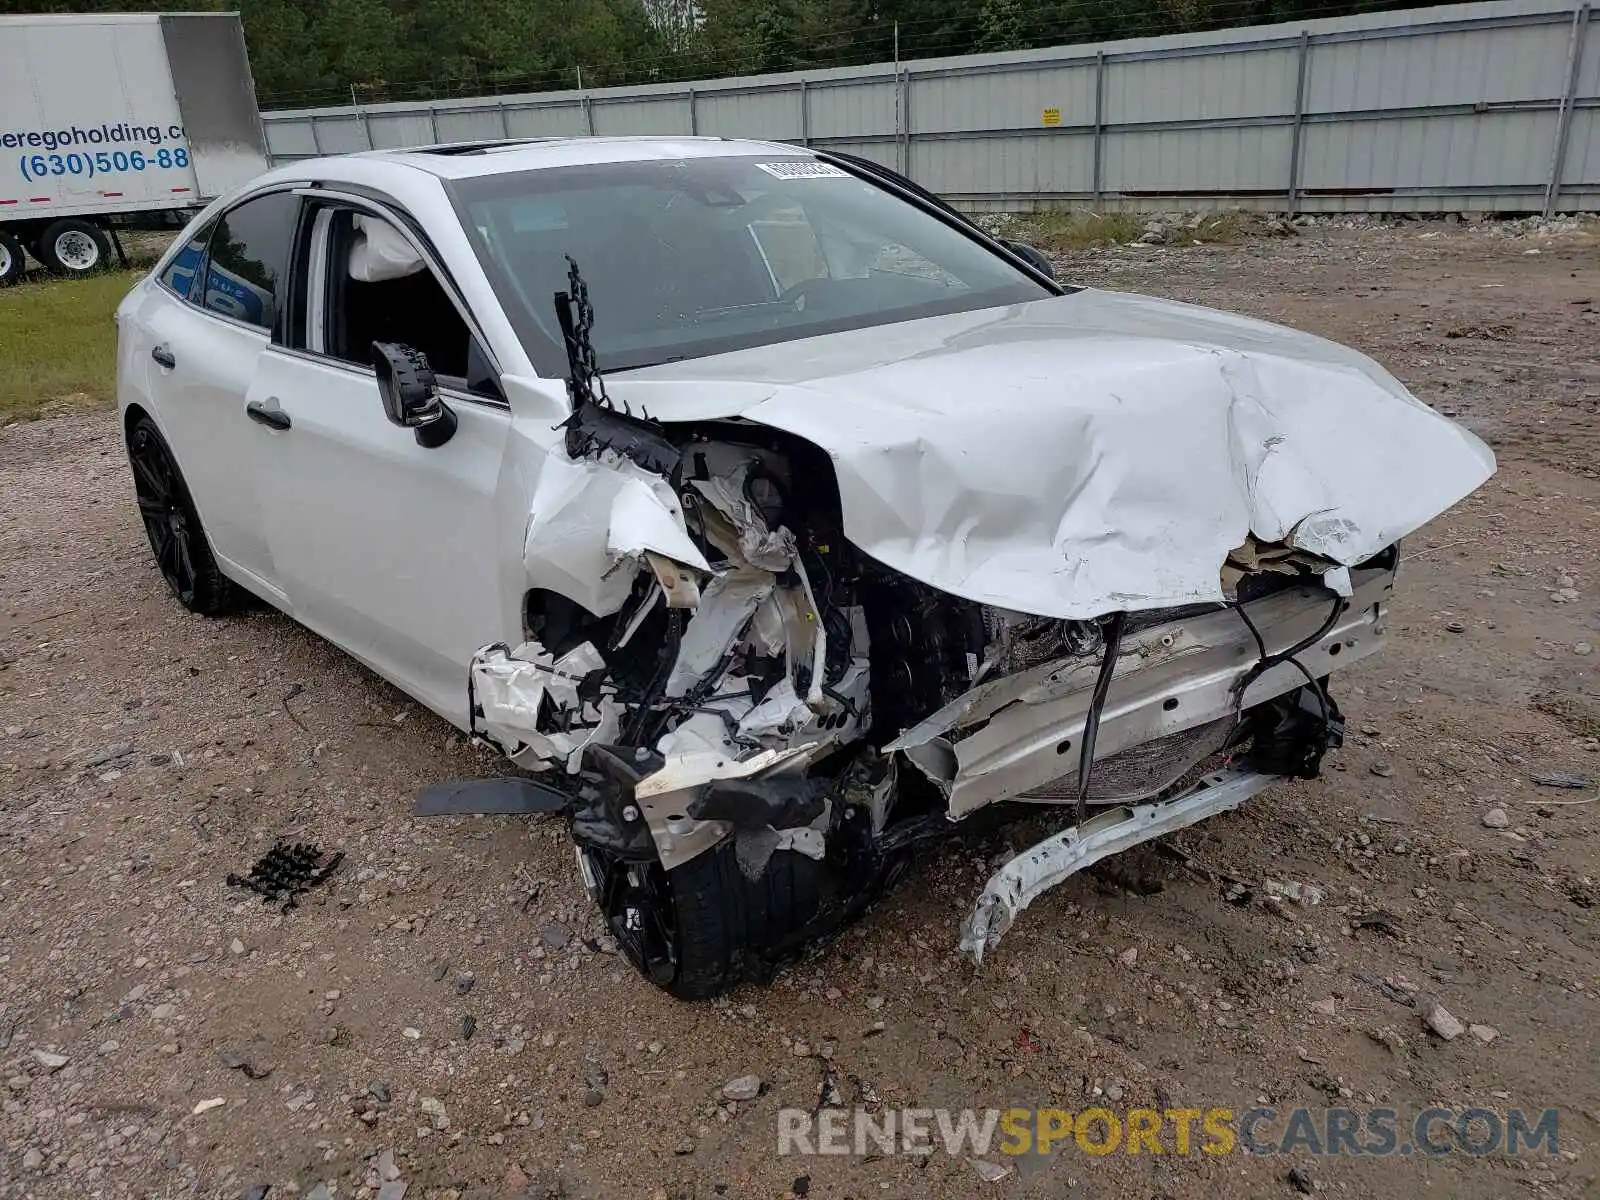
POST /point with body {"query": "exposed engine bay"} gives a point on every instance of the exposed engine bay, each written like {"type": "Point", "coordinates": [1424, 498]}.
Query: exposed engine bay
{"type": "Point", "coordinates": [755, 722]}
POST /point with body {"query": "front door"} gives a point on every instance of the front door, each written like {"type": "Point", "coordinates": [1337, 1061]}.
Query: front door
{"type": "Point", "coordinates": [384, 546]}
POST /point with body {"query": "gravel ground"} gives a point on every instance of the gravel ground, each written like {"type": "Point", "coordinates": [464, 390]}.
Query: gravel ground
{"type": "Point", "coordinates": [445, 1011]}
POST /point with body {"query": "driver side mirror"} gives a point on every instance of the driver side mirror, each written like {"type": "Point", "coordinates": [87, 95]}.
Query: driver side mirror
{"type": "Point", "coordinates": [410, 393]}
{"type": "Point", "coordinates": [1034, 255]}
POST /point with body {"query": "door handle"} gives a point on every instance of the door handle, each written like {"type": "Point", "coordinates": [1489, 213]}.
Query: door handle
{"type": "Point", "coordinates": [273, 417]}
{"type": "Point", "coordinates": [164, 356]}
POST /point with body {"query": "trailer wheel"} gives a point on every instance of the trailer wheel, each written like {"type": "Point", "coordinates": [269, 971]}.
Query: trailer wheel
{"type": "Point", "coordinates": [73, 246]}
{"type": "Point", "coordinates": [13, 262]}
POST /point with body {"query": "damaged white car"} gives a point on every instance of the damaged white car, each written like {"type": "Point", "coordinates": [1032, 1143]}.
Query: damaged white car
{"type": "Point", "coordinates": [773, 518]}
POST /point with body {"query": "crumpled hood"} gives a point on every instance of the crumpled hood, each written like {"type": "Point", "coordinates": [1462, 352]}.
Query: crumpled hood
{"type": "Point", "coordinates": [1091, 452]}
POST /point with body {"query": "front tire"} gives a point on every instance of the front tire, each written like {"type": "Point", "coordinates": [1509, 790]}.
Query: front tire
{"type": "Point", "coordinates": [13, 261]}
{"type": "Point", "coordinates": [177, 538]}
{"type": "Point", "coordinates": [73, 246]}
{"type": "Point", "coordinates": [702, 928]}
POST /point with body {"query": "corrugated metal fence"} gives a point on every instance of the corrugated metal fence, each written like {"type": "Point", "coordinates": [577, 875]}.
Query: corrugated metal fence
{"type": "Point", "coordinates": [1492, 106]}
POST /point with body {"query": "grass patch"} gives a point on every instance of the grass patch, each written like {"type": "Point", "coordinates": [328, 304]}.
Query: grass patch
{"type": "Point", "coordinates": [1078, 230]}
{"type": "Point", "coordinates": [1230, 226]}
{"type": "Point", "coordinates": [58, 343]}
{"type": "Point", "coordinates": [1083, 229]}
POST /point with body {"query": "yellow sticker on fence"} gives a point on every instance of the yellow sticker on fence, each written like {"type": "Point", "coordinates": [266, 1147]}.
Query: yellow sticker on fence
{"type": "Point", "coordinates": [1052, 116]}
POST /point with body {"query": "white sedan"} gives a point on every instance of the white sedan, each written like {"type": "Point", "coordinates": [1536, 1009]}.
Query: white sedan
{"type": "Point", "coordinates": [767, 514]}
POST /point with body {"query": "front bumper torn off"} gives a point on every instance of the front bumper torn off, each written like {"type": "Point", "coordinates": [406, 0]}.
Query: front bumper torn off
{"type": "Point", "coordinates": [1040, 868]}
{"type": "Point", "coordinates": [1016, 737]}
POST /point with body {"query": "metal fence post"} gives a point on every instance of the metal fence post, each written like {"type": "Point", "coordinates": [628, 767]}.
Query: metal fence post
{"type": "Point", "coordinates": [1098, 180]}
{"type": "Point", "coordinates": [805, 113]}
{"type": "Point", "coordinates": [433, 123]}
{"type": "Point", "coordinates": [906, 108]}
{"type": "Point", "coordinates": [316, 142]}
{"type": "Point", "coordinates": [361, 116]}
{"type": "Point", "coordinates": [694, 115]}
{"type": "Point", "coordinates": [1299, 121]}
{"type": "Point", "coordinates": [583, 103]}
{"type": "Point", "coordinates": [505, 119]}
{"type": "Point", "coordinates": [1558, 151]}
{"type": "Point", "coordinates": [899, 119]}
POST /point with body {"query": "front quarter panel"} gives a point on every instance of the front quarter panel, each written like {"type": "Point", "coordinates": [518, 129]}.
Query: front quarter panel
{"type": "Point", "coordinates": [133, 348]}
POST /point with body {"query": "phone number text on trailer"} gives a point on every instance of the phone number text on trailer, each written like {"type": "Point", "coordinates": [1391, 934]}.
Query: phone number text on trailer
{"type": "Point", "coordinates": [38, 166]}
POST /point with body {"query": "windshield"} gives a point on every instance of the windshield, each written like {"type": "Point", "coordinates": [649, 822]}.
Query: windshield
{"type": "Point", "coordinates": [700, 256]}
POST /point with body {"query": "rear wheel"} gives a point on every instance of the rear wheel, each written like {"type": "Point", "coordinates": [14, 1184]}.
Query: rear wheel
{"type": "Point", "coordinates": [74, 247]}
{"type": "Point", "coordinates": [177, 538]}
{"type": "Point", "coordinates": [13, 262]}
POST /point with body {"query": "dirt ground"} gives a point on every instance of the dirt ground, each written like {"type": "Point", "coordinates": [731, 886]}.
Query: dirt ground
{"type": "Point", "coordinates": [148, 753]}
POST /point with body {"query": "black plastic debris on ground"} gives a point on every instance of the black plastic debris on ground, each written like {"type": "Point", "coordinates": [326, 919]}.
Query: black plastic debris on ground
{"type": "Point", "coordinates": [510, 796]}
{"type": "Point", "coordinates": [1380, 919]}
{"type": "Point", "coordinates": [1564, 779]}
{"type": "Point", "coordinates": [287, 871]}
{"type": "Point", "coordinates": [235, 1061]}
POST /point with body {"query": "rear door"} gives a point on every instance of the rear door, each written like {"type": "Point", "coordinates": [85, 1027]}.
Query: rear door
{"type": "Point", "coordinates": [201, 330]}
{"type": "Point", "coordinates": [384, 546]}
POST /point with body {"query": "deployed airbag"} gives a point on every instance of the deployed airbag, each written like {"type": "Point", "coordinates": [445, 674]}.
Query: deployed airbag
{"type": "Point", "coordinates": [381, 253]}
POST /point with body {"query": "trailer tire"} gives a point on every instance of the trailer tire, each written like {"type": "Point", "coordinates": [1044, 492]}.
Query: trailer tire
{"type": "Point", "coordinates": [13, 260]}
{"type": "Point", "coordinates": [73, 246]}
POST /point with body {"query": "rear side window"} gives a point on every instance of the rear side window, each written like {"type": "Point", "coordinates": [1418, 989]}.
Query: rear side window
{"type": "Point", "coordinates": [182, 271]}
{"type": "Point", "coordinates": [249, 256]}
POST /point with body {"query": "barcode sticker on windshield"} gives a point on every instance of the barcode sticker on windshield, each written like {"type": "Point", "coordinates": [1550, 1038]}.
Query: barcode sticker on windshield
{"type": "Point", "coordinates": [803, 170]}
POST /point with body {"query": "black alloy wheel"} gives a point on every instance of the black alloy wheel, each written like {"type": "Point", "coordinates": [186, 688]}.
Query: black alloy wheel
{"type": "Point", "coordinates": [637, 901]}
{"type": "Point", "coordinates": [176, 536]}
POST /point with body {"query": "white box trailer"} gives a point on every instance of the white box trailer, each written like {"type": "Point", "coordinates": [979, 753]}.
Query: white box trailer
{"type": "Point", "coordinates": [126, 120]}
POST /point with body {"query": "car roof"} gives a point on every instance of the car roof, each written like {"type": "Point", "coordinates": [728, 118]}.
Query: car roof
{"type": "Point", "coordinates": [466, 160]}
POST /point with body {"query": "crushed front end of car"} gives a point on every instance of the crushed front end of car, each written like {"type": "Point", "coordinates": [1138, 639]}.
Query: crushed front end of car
{"type": "Point", "coordinates": [757, 715]}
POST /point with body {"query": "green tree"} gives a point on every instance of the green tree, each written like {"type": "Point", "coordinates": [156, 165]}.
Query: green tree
{"type": "Point", "coordinates": [1001, 25]}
